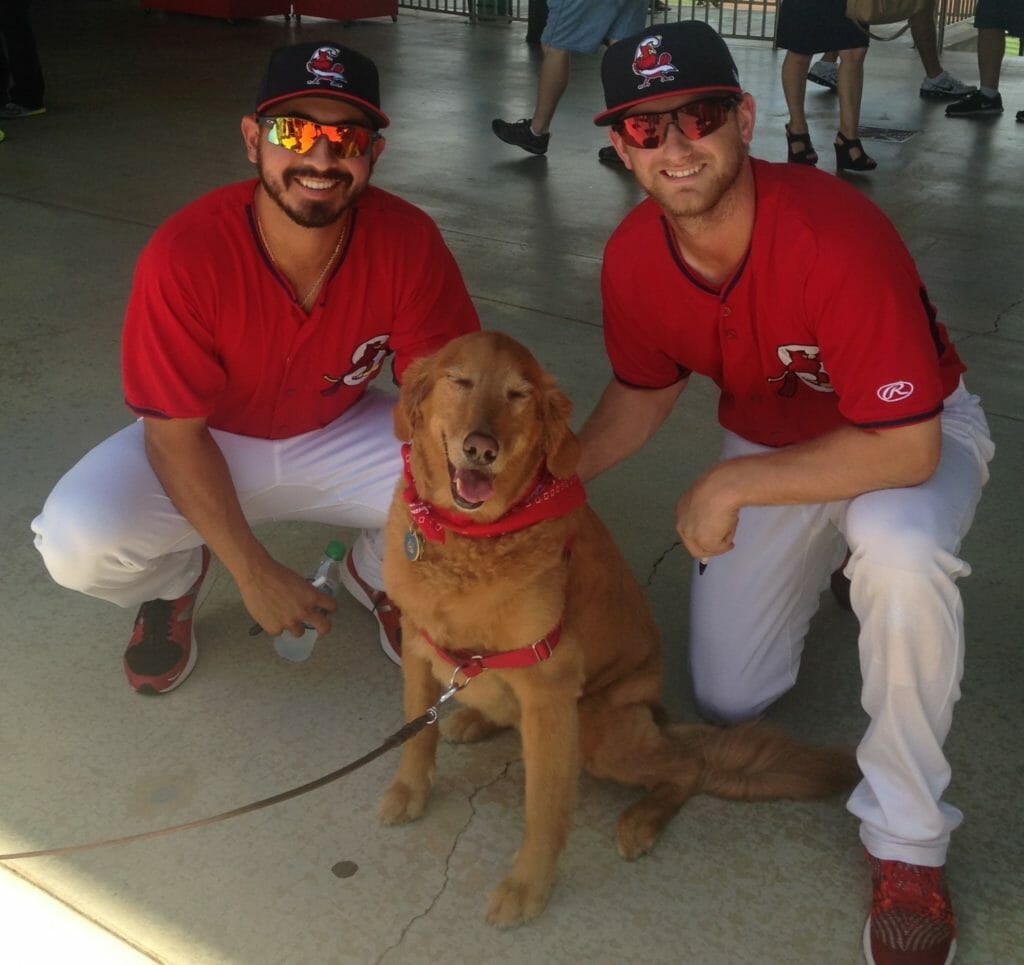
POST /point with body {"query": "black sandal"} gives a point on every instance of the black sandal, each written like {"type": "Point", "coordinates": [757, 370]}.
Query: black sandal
{"type": "Point", "coordinates": [844, 150]}
{"type": "Point", "coordinates": [808, 155]}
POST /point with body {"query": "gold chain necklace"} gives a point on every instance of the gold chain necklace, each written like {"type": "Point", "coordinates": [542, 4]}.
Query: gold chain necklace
{"type": "Point", "coordinates": [304, 302]}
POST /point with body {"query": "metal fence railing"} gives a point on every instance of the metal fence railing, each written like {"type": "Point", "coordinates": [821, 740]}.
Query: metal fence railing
{"type": "Point", "coordinates": [747, 19]}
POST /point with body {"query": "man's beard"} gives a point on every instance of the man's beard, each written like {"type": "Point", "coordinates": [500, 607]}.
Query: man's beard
{"type": "Point", "coordinates": [309, 214]}
{"type": "Point", "coordinates": [707, 204]}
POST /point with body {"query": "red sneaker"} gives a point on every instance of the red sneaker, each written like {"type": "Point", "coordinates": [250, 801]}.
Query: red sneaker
{"type": "Point", "coordinates": [377, 601]}
{"type": "Point", "coordinates": [162, 651]}
{"type": "Point", "coordinates": [911, 921]}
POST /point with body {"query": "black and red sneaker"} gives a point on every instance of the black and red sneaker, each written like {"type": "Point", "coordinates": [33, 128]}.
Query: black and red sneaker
{"type": "Point", "coordinates": [162, 651]}
{"type": "Point", "coordinates": [911, 921]}
{"type": "Point", "coordinates": [379, 603]}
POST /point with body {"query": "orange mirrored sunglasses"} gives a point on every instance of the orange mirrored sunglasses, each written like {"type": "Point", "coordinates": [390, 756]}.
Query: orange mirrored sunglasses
{"type": "Point", "coordinates": [298, 134]}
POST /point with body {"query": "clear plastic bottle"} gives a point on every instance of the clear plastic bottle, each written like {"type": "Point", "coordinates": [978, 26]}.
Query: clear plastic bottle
{"type": "Point", "coordinates": [327, 579]}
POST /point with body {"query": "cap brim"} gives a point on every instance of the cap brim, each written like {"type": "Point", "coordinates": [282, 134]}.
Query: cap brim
{"type": "Point", "coordinates": [375, 113]}
{"type": "Point", "coordinates": [615, 114]}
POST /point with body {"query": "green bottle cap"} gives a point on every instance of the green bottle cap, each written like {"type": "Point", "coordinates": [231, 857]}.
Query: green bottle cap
{"type": "Point", "coordinates": [335, 549]}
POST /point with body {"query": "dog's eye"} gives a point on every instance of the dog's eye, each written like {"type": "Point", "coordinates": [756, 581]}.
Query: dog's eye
{"type": "Point", "coordinates": [460, 382]}
{"type": "Point", "coordinates": [517, 395]}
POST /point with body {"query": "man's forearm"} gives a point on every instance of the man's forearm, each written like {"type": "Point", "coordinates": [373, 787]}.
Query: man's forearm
{"type": "Point", "coordinates": [193, 471]}
{"type": "Point", "coordinates": [622, 421]}
{"type": "Point", "coordinates": [840, 465]}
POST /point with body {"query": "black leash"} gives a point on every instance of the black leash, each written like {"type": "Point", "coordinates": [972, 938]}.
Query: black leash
{"type": "Point", "coordinates": [399, 737]}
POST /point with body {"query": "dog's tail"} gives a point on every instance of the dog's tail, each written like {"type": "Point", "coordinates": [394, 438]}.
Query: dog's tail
{"type": "Point", "coordinates": [759, 762]}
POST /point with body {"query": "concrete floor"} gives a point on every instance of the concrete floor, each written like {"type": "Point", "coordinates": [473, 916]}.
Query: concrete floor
{"type": "Point", "coordinates": [143, 117]}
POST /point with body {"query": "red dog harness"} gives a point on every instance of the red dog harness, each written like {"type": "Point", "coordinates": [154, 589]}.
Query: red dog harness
{"type": "Point", "coordinates": [471, 664]}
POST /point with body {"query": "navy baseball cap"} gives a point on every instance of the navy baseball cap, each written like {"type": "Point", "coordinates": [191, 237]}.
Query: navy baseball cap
{"type": "Point", "coordinates": [687, 57]}
{"type": "Point", "coordinates": [322, 69]}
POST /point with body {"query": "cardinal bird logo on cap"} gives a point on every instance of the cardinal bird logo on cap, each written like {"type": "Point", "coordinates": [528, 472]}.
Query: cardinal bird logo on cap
{"type": "Point", "coordinates": [650, 65]}
{"type": "Point", "coordinates": [325, 69]}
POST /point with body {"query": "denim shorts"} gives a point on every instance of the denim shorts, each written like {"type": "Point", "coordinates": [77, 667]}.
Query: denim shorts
{"type": "Point", "coordinates": [581, 25]}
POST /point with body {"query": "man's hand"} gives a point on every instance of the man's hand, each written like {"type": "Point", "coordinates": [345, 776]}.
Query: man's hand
{"type": "Point", "coordinates": [278, 599]}
{"type": "Point", "coordinates": [706, 519]}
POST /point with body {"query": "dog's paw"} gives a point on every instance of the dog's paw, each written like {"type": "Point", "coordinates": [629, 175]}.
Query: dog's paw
{"type": "Point", "coordinates": [634, 837]}
{"type": "Point", "coordinates": [514, 902]}
{"type": "Point", "coordinates": [402, 803]}
{"type": "Point", "coordinates": [467, 725]}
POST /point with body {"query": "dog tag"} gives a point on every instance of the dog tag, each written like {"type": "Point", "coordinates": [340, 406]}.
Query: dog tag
{"type": "Point", "coordinates": [413, 545]}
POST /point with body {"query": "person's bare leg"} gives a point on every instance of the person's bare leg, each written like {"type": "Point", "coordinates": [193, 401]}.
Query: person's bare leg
{"type": "Point", "coordinates": [850, 86]}
{"type": "Point", "coordinates": [551, 84]}
{"type": "Point", "coordinates": [991, 47]}
{"type": "Point", "coordinates": [794, 89]}
{"type": "Point", "coordinates": [926, 41]}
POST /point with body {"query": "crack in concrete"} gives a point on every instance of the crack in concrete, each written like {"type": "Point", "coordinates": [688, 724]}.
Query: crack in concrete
{"type": "Point", "coordinates": [658, 562]}
{"type": "Point", "coordinates": [500, 776]}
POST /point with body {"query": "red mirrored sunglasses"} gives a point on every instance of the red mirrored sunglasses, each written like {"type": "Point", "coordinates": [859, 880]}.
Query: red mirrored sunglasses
{"type": "Point", "coordinates": [695, 120]}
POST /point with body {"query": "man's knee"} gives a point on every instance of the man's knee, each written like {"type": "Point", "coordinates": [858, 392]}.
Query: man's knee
{"type": "Point", "coordinates": [77, 542]}
{"type": "Point", "coordinates": [726, 698]}
{"type": "Point", "coordinates": [906, 544]}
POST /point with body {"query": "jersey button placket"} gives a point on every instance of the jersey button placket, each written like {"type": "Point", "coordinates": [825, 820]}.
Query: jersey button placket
{"type": "Point", "coordinates": [724, 313]}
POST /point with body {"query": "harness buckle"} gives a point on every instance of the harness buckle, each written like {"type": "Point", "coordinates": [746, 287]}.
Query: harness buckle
{"type": "Point", "coordinates": [541, 650]}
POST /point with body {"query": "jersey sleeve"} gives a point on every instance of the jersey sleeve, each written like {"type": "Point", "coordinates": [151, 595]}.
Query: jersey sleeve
{"type": "Point", "coordinates": [169, 363]}
{"type": "Point", "coordinates": [432, 304]}
{"type": "Point", "coordinates": [630, 318]}
{"type": "Point", "coordinates": [877, 330]}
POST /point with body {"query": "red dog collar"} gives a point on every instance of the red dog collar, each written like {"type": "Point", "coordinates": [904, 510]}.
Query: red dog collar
{"type": "Point", "coordinates": [548, 498]}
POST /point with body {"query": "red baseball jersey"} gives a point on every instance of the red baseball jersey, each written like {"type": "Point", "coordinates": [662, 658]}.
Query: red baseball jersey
{"type": "Point", "coordinates": [826, 322]}
{"type": "Point", "coordinates": [214, 331]}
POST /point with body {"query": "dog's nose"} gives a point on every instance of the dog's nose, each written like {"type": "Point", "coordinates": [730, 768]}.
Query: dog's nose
{"type": "Point", "coordinates": [480, 448]}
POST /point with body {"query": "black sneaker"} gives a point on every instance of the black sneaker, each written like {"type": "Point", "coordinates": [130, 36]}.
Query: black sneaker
{"type": "Point", "coordinates": [1020, 117]}
{"type": "Point", "coordinates": [608, 155]}
{"type": "Point", "coordinates": [520, 135]}
{"type": "Point", "coordinates": [975, 105]}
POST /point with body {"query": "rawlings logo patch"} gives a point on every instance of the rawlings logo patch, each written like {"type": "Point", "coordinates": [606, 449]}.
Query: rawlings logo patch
{"type": "Point", "coordinates": [895, 391]}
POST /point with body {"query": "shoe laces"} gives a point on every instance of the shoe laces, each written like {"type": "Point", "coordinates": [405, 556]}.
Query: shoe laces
{"type": "Point", "coordinates": [156, 621]}
{"type": "Point", "coordinates": [915, 889]}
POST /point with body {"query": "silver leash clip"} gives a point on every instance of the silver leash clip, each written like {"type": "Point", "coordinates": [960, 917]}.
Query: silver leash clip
{"type": "Point", "coordinates": [453, 689]}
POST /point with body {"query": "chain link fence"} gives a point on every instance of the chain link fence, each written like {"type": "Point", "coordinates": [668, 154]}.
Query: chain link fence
{"type": "Point", "coordinates": [747, 19]}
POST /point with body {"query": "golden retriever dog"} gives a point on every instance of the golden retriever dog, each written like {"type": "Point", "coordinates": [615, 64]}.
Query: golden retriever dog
{"type": "Point", "coordinates": [501, 569]}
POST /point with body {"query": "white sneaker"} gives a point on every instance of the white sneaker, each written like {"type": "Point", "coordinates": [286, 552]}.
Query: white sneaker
{"type": "Point", "coordinates": [945, 87]}
{"type": "Point", "coordinates": [824, 73]}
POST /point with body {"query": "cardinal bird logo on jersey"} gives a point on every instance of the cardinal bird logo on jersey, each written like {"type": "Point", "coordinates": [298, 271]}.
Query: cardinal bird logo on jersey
{"type": "Point", "coordinates": [649, 65]}
{"type": "Point", "coordinates": [801, 363]}
{"type": "Point", "coordinates": [367, 360]}
{"type": "Point", "coordinates": [324, 67]}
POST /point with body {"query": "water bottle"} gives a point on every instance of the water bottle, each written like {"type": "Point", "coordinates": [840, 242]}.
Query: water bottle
{"type": "Point", "coordinates": [327, 579]}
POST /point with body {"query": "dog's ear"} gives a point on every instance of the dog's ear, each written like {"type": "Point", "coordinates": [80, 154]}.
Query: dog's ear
{"type": "Point", "coordinates": [416, 383]}
{"type": "Point", "coordinates": [562, 448]}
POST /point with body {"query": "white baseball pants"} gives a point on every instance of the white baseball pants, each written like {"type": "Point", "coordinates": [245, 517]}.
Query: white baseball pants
{"type": "Point", "coordinates": [752, 606]}
{"type": "Point", "coordinates": [109, 530]}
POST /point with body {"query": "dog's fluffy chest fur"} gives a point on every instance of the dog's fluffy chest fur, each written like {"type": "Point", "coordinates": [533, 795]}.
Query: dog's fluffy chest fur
{"type": "Point", "coordinates": [517, 581]}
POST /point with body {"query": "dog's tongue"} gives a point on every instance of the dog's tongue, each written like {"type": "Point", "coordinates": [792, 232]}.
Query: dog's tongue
{"type": "Point", "coordinates": [473, 486]}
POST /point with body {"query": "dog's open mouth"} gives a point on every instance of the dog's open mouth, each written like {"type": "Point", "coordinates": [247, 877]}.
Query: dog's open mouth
{"type": "Point", "coordinates": [471, 488]}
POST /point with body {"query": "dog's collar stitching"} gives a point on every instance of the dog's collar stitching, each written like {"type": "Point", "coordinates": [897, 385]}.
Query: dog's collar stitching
{"type": "Point", "coordinates": [547, 498]}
